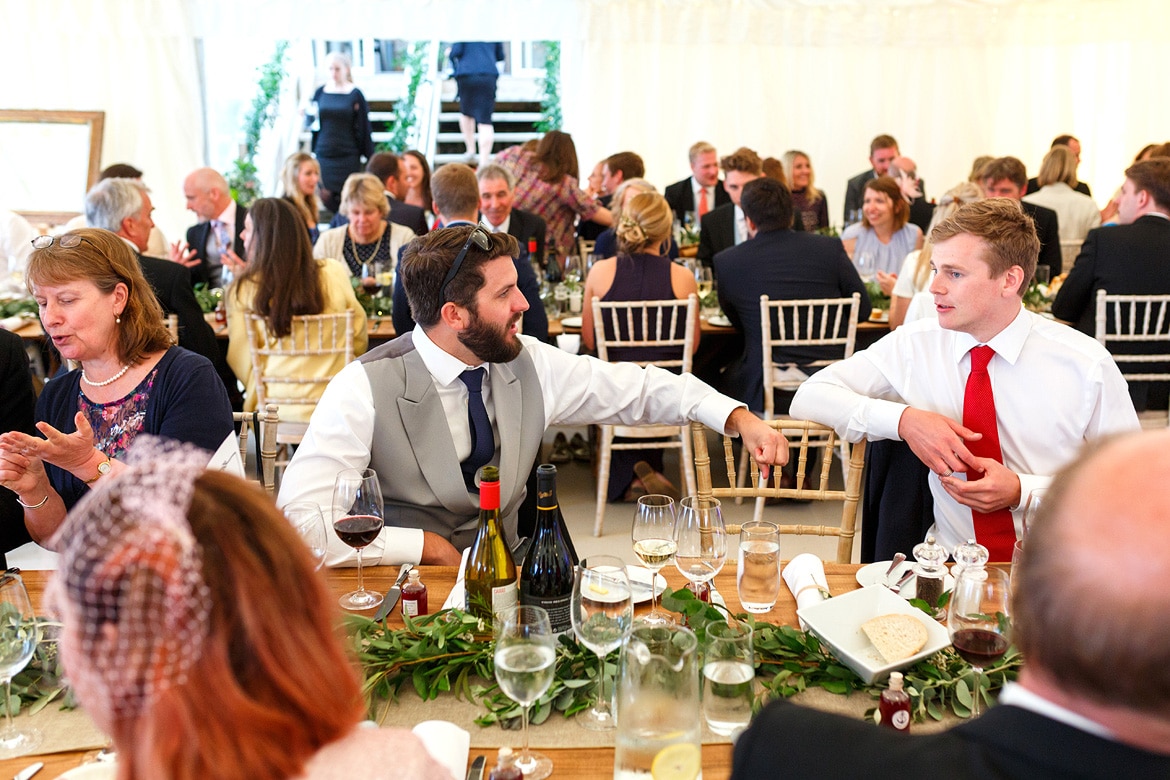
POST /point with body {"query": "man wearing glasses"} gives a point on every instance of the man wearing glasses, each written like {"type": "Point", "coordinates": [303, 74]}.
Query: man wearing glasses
{"type": "Point", "coordinates": [463, 390]}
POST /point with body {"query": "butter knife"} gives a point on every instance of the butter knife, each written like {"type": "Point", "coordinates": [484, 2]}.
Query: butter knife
{"type": "Point", "coordinates": [476, 770]}
{"type": "Point", "coordinates": [393, 594]}
{"type": "Point", "coordinates": [29, 771]}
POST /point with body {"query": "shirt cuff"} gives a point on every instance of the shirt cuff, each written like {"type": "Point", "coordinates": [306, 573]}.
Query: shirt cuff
{"type": "Point", "coordinates": [401, 545]}
{"type": "Point", "coordinates": [884, 417]}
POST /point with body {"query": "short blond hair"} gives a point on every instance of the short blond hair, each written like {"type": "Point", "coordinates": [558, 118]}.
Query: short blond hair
{"type": "Point", "coordinates": [1008, 234]}
{"type": "Point", "coordinates": [1058, 166]}
{"type": "Point", "coordinates": [700, 147]}
{"type": "Point", "coordinates": [364, 189]}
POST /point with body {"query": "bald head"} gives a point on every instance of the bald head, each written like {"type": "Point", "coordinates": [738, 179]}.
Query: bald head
{"type": "Point", "coordinates": [207, 193]}
{"type": "Point", "coordinates": [1094, 585]}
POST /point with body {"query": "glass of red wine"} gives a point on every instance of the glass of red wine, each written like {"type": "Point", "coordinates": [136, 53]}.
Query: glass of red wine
{"type": "Point", "coordinates": [978, 620]}
{"type": "Point", "coordinates": [358, 519]}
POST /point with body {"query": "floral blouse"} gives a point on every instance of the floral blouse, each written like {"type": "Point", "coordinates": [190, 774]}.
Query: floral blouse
{"type": "Point", "coordinates": [115, 424]}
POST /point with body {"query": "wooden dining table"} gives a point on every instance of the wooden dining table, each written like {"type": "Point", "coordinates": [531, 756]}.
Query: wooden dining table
{"type": "Point", "coordinates": [570, 763]}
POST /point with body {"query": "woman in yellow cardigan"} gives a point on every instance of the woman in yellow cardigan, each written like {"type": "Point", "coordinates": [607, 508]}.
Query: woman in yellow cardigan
{"type": "Point", "coordinates": [282, 279]}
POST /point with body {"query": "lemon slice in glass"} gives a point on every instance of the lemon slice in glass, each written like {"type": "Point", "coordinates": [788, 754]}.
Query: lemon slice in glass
{"type": "Point", "coordinates": [680, 761]}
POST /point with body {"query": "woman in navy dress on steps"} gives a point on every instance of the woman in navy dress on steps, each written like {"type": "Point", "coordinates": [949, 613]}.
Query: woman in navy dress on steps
{"type": "Point", "coordinates": [342, 138]}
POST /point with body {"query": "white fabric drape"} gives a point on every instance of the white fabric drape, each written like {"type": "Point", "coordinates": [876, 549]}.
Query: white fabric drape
{"type": "Point", "coordinates": [950, 79]}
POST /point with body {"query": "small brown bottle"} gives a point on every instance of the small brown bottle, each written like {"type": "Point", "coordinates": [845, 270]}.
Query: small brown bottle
{"type": "Point", "coordinates": [505, 768]}
{"type": "Point", "coordinates": [414, 596]}
{"type": "Point", "coordinates": [894, 709]}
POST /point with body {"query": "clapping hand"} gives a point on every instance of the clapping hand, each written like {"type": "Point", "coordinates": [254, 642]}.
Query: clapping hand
{"type": "Point", "coordinates": [233, 262]}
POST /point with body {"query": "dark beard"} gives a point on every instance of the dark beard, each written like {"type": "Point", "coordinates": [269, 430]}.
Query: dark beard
{"type": "Point", "coordinates": [489, 344]}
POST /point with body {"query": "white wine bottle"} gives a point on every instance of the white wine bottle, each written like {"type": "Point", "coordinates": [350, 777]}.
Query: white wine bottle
{"type": "Point", "coordinates": [546, 578]}
{"type": "Point", "coordinates": [490, 580]}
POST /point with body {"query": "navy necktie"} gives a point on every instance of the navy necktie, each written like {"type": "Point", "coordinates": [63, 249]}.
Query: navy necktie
{"type": "Point", "coordinates": [483, 445]}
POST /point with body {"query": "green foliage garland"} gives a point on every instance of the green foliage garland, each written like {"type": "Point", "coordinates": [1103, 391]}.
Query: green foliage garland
{"type": "Point", "coordinates": [550, 102]}
{"type": "Point", "coordinates": [405, 115]}
{"type": "Point", "coordinates": [242, 180]}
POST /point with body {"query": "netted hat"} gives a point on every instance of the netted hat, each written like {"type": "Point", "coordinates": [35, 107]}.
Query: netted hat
{"type": "Point", "coordinates": [132, 573]}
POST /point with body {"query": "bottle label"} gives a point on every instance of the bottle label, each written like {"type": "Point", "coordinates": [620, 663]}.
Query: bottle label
{"type": "Point", "coordinates": [557, 607]}
{"type": "Point", "coordinates": [900, 720]}
{"type": "Point", "coordinates": [410, 607]}
{"type": "Point", "coordinates": [505, 597]}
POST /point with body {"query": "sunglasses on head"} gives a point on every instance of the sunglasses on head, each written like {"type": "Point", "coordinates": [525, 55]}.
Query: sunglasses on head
{"type": "Point", "coordinates": [482, 238]}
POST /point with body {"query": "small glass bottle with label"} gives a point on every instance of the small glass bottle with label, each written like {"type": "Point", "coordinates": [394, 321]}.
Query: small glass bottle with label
{"type": "Point", "coordinates": [894, 709]}
{"type": "Point", "coordinates": [414, 596]}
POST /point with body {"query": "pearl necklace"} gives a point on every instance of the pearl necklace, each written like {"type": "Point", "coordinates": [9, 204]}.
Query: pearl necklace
{"type": "Point", "coordinates": [104, 382]}
{"type": "Point", "coordinates": [353, 245]}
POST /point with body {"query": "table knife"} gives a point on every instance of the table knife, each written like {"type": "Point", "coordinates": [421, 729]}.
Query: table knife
{"type": "Point", "coordinates": [476, 771]}
{"type": "Point", "coordinates": [29, 771]}
{"type": "Point", "coordinates": [393, 594]}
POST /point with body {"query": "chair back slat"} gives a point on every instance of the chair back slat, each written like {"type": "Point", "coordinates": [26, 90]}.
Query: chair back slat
{"type": "Point", "coordinates": [1131, 319]}
{"type": "Point", "coordinates": [263, 426]}
{"type": "Point", "coordinates": [803, 436]}
{"type": "Point", "coordinates": [311, 335]}
{"type": "Point", "coordinates": [807, 322]}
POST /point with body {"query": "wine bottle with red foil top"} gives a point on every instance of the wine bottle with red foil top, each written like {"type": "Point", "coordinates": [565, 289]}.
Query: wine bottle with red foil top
{"type": "Point", "coordinates": [490, 580]}
{"type": "Point", "coordinates": [546, 578]}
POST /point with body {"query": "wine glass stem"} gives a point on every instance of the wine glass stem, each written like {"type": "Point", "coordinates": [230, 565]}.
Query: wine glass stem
{"type": "Point", "coordinates": [361, 583]}
{"type": "Point", "coordinates": [524, 758]}
{"type": "Point", "coordinates": [601, 683]}
{"type": "Point", "coordinates": [7, 709]}
{"type": "Point", "coordinates": [975, 703]}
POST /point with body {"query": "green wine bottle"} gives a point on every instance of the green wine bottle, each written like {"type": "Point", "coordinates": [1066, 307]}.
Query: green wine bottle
{"type": "Point", "coordinates": [490, 579]}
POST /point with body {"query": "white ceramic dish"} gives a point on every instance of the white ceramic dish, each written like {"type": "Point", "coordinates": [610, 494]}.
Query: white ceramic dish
{"type": "Point", "coordinates": [720, 321]}
{"type": "Point", "coordinates": [879, 315]}
{"type": "Point", "coordinates": [640, 575]}
{"type": "Point", "coordinates": [875, 574]}
{"type": "Point", "coordinates": [570, 322]}
{"type": "Point", "coordinates": [837, 621]}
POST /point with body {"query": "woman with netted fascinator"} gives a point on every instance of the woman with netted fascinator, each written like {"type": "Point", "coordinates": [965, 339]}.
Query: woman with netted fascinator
{"type": "Point", "coordinates": [199, 636]}
{"type": "Point", "coordinates": [640, 272]}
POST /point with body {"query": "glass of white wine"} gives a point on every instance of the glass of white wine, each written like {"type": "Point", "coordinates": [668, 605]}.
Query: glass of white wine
{"type": "Point", "coordinates": [701, 539]}
{"type": "Point", "coordinates": [525, 660]}
{"type": "Point", "coordinates": [653, 534]}
{"type": "Point", "coordinates": [602, 612]}
{"type": "Point", "coordinates": [19, 634]}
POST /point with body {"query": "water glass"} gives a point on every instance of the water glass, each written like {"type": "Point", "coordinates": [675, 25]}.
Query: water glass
{"type": "Point", "coordinates": [866, 266]}
{"type": "Point", "coordinates": [728, 674]}
{"type": "Point", "coordinates": [306, 517]}
{"type": "Point", "coordinates": [20, 632]}
{"type": "Point", "coordinates": [1032, 508]}
{"type": "Point", "coordinates": [602, 612]}
{"type": "Point", "coordinates": [758, 574]}
{"type": "Point", "coordinates": [701, 539]}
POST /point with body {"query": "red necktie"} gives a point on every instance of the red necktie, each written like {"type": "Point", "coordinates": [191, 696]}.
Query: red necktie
{"type": "Point", "coordinates": [994, 530]}
{"type": "Point", "coordinates": [704, 206]}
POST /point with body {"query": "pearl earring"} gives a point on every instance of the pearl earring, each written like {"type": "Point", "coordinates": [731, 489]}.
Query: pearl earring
{"type": "Point", "coordinates": [118, 319]}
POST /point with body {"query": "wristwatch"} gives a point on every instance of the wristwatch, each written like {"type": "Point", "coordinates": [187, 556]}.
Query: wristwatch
{"type": "Point", "coordinates": [102, 469]}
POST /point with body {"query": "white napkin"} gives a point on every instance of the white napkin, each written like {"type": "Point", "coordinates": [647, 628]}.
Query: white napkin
{"type": "Point", "coordinates": [11, 323]}
{"type": "Point", "coordinates": [805, 577]}
{"type": "Point", "coordinates": [447, 743]}
{"type": "Point", "coordinates": [457, 599]}
{"type": "Point", "coordinates": [33, 557]}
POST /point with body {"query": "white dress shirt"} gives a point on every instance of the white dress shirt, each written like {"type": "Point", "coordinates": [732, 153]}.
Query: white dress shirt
{"type": "Point", "coordinates": [1055, 388]}
{"type": "Point", "coordinates": [741, 228]}
{"type": "Point", "coordinates": [576, 390]}
{"type": "Point", "coordinates": [1019, 696]}
{"type": "Point", "coordinates": [696, 189]}
{"type": "Point", "coordinates": [503, 226]}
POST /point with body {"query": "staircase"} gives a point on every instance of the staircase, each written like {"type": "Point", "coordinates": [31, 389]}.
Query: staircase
{"type": "Point", "coordinates": [513, 121]}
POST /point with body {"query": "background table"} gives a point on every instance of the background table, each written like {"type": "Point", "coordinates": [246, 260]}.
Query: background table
{"type": "Point", "coordinates": [569, 763]}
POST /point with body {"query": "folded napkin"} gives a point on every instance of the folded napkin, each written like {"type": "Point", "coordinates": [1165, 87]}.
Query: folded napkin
{"type": "Point", "coordinates": [447, 743]}
{"type": "Point", "coordinates": [12, 323]}
{"type": "Point", "coordinates": [457, 599]}
{"type": "Point", "coordinates": [805, 577]}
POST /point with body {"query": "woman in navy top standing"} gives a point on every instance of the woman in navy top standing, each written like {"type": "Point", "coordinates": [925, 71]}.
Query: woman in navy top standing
{"type": "Point", "coordinates": [476, 74]}
{"type": "Point", "coordinates": [342, 133]}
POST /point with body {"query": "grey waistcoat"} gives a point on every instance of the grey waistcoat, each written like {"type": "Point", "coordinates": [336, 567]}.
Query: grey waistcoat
{"type": "Point", "coordinates": [412, 451]}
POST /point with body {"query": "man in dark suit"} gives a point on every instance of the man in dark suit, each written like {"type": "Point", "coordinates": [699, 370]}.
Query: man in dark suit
{"type": "Point", "coordinates": [221, 221]}
{"type": "Point", "coordinates": [496, 190]}
{"type": "Point", "coordinates": [1093, 700]}
{"type": "Point", "coordinates": [1131, 258]}
{"type": "Point", "coordinates": [782, 264]}
{"type": "Point", "coordinates": [123, 206]}
{"type": "Point", "coordinates": [725, 226]}
{"type": "Point", "coordinates": [457, 200]}
{"type": "Point", "coordinates": [882, 151]}
{"type": "Point", "coordinates": [1075, 146]}
{"type": "Point", "coordinates": [18, 404]}
{"type": "Point", "coordinates": [688, 195]}
{"type": "Point", "coordinates": [1006, 177]}
{"type": "Point", "coordinates": [387, 168]}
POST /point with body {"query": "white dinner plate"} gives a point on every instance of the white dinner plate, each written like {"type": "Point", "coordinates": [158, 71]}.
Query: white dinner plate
{"type": "Point", "coordinates": [874, 574]}
{"type": "Point", "coordinates": [570, 322]}
{"type": "Point", "coordinates": [640, 575]}
{"type": "Point", "coordinates": [719, 321]}
{"type": "Point", "coordinates": [98, 770]}
{"type": "Point", "coordinates": [879, 315]}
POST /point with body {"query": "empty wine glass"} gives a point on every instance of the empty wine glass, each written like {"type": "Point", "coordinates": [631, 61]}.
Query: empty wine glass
{"type": "Point", "coordinates": [358, 519]}
{"type": "Point", "coordinates": [653, 534]}
{"type": "Point", "coordinates": [602, 613]}
{"type": "Point", "coordinates": [978, 620]}
{"type": "Point", "coordinates": [701, 538]}
{"type": "Point", "coordinates": [525, 660]}
{"type": "Point", "coordinates": [866, 266]}
{"type": "Point", "coordinates": [19, 634]}
{"type": "Point", "coordinates": [1032, 508]}
{"type": "Point", "coordinates": [306, 517]}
